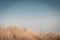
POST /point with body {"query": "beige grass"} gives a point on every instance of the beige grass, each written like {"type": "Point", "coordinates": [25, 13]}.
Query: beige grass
{"type": "Point", "coordinates": [17, 33]}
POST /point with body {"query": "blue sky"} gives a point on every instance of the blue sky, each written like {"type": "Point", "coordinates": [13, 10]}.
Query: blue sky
{"type": "Point", "coordinates": [35, 14]}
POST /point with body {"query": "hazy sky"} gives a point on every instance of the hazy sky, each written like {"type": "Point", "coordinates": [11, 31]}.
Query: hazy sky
{"type": "Point", "coordinates": [37, 15]}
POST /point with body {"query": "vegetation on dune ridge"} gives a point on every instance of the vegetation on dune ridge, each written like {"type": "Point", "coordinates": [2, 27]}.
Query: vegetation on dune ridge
{"type": "Point", "coordinates": [17, 33]}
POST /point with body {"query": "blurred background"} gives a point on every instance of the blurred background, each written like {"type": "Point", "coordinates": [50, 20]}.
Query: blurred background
{"type": "Point", "coordinates": [37, 15]}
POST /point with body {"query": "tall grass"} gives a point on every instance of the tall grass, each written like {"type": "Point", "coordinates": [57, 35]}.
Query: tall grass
{"type": "Point", "coordinates": [18, 33]}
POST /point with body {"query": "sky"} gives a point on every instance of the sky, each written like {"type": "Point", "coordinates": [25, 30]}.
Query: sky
{"type": "Point", "coordinates": [37, 15]}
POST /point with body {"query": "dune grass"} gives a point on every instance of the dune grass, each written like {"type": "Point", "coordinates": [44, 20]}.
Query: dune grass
{"type": "Point", "coordinates": [18, 33]}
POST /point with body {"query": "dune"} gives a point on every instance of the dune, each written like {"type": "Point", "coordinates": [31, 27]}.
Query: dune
{"type": "Point", "coordinates": [18, 33]}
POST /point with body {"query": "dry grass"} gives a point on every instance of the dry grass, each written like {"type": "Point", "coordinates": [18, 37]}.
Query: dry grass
{"type": "Point", "coordinates": [17, 33]}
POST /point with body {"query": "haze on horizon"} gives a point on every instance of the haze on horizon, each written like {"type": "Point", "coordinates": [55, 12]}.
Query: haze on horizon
{"type": "Point", "coordinates": [38, 15]}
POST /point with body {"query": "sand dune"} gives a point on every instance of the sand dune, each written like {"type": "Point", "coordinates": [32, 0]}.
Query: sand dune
{"type": "Point", "coordinates": [17, 33]}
